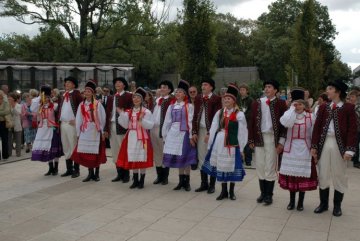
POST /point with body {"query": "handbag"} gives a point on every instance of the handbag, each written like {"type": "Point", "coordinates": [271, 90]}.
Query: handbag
{"type": "Point", "coordinates": [9, 121]}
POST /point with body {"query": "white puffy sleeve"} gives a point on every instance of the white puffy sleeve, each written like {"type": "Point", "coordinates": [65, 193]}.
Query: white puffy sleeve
{"type": "Point", "coordinates": [190, 118]}
{"type": "Point", "coordinates": [289, 117]}
{"type": "Point", "coordinates": [148, 120]}
{"type": "Point", "coordinates": [78, 120]}
{"type": "Point", "coordinates": [123, 119]}
{"type": "Point", "coordinates": [102, 116]}
{"type": "Point", "coordinates": [242, 134]}
{"type": "Point", "coordinates": [167, 123]}
{"type": "Point", "coordinates": [214, 127]}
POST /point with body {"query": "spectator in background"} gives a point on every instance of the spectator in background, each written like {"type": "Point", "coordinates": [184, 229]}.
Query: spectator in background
{"type": "Point", "coordinates": [149, 100]}
{"type": "Point", "coordinates": [99, 93]}
{"type": "Point", "coordinates": [4, 132]}
{"type": "Point", "coordinates": [105, 95]}
{"type": "Point", "coordinates": [33, 93]}
{"type": "Point", "coordinates": [245, 102]}
{"type": "Point", "coordinates": [15, 133]}
{"type": "Point", "coordinates": [132, 86]}
{"type": "Point", "coordinates": [323, 98]}
{"type": "Point", "coordinates": [157, 93]}
{"type": "Point", "coordinates": [193, 92]}
{"type": "Point", "coordinates": [26, 118]}
{"type": "Point", "coordinates": [55, 95]}
{"type": "Point", "coordinates": [5, 89]}
{"type": "Point", "coordinates": [308, 99]}
{"type": "Point", "coordinates": [283, 95]}
{"type": "Point", "coordinates": [106, 101]}
{"type": "Point", "coordinates": [354, 99]}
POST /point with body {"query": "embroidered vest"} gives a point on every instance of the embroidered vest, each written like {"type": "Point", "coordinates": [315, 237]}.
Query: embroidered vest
{"type": "Point", "coordinates": [300, 131]}
{"type": "Point", "coordinates": [179, 115]}
{"type": "Point", "coordinates": [49, 114]}
{"type": "Point", "coordinates": [232, 130]}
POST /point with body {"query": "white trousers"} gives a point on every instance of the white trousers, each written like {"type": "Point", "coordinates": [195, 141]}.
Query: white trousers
{"type": "Point", "coordinates": [68, 139]}
{"type": "Point", "coordinates": [202, 147]}
{"type": "Point", "coordinates": [332, 165]}
{"type": "Point", "coordinates": [158, 146]}
{"type": "Point", "coordinates": [266, 159]}
{"type": "Point", "coordinates": [115, 142]}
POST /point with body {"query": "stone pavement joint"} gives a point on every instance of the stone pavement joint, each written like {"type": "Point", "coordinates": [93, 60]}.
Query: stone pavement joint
{"type": "Point", "coordinates": [38, 208]}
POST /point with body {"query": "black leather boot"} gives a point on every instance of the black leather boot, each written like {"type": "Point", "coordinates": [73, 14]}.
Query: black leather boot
{"type": "Point", "coordinates": [118, 178]}
{"type": "Point", "coordinates": [69, 168]}
{"type": "Point", "coordinates": [126, 175]}
{"type": "Point", "coordinates": [142, 181]}
{"type": "Point", "coordinates": [224, 192]}
{"type": "Point", "coordinates": [165, 179]}
{"type": "Point", "coordinates": [231, 191]}
{"type": "Point", "coordinates": [181, 183]}
{"type": "Point", "coordinates": [135, 183]}
{"type": "Point", "coordinates": [260, 199]}
{"type": "Point", "coordinates": [56, 169]}
{"type": "Point", "coordinates": [211, 188]}
{"type": "Point", "coordinates": [96, 176]}
{"type": "Point", "coordinates": [51, 168]}
{"type": "Point", "coordinates": [186, 183]}
{"type": "Point", "coordinates": [300, 206]}
{"type": "Point", "coordinates": [204, 183]}
{"type": "Point", "coordinates": [90, 175]}
{"type": "Point", "coordinates": [324, 201]}
{"type": "Point", "coordinates": [338, 197]}
{"type": "Point", "coordinates": [269, 189]}
{"type": "Point", "coordinates": [159, 178]}
{"type": "Point", "coordinates": [76, 171]}
{"type": "Point", "coordinates": [291, 204]}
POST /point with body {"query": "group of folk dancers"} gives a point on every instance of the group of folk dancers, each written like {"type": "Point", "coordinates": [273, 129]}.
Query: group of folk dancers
{"type": "Point", "coordinates": [212, 131]}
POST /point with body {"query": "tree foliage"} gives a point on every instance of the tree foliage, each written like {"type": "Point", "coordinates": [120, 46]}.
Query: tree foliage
{"type": "Point", "coordinates": [86, 22]}
{"type": "Point", "coordinates": [198, 49]}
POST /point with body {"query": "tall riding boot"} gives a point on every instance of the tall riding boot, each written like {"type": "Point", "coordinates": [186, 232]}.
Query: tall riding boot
{"type": "Point", "coordinates": [204, 183]}
{"type": "Point", "coordinates": [56, 169]}
{"type": "Point", "coordinates": [119, 175]}
{"type": "Point", "coordinates": [165, 179]}
{"type": "Point", "coordinates": [324, 201]}
{"type": "Point", "coordinates": [90, 175]}
{"type": "Point", "coordinates": [159, 172]}
{"type": "Point", "coordinates": [51, 168]}
{"type": "Point", "coordinates": [224, 192]}
{"type": "Point", "coordinates": [126, 175]}
{"type": "Point", "coordinates": [135, 183]}
{"type": "Point", "coordinates": [338, 197]}
{"type": "Point", "coordinates": [69, 169]}
{"type": "Point", "coordinates": [212, 185]}
{"type": "Point", "coordinates": [260, 199]}
{"type": "Point", "coordinates": [142, 180]}
{"type": "Point", "coordinates": [76, 171]}
{"type": "Point", "coordinates": [186, 183]}
{"type": "Point", "coordinates": [269, 189]}
{"type": "Point", "coordinates": [291, 204]}
{"type": "Point", "coordinates": [181, 183]}
{"type": "Point", "coordinates": [96, 176]}
{"type": "Point", "coordinates": [231, 191]}
{"type": "Point", "coordinates": [300, 205]}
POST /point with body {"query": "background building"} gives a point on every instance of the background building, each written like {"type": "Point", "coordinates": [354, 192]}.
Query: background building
{"type": "Point", "coordinates": [27, 75]}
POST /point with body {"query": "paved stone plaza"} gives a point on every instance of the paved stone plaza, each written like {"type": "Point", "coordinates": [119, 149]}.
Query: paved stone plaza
{"type": "Point", "coordinates": [35, 207]}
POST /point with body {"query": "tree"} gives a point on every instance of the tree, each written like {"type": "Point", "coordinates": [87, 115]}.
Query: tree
{"type": "Point", "coordinates": [233, 37]}
{"type": "Point", "coordinates": [313, 52]}
{"type": "Point", "coordinates": [198, 49]}
{"type": "Point", "coordinates": [273, 40]}
{"type": "Point", "coordinates": [86, 22]}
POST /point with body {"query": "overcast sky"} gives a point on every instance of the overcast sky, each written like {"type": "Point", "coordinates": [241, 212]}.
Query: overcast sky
{"type": "Point", "coordinates": [345, 14]}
